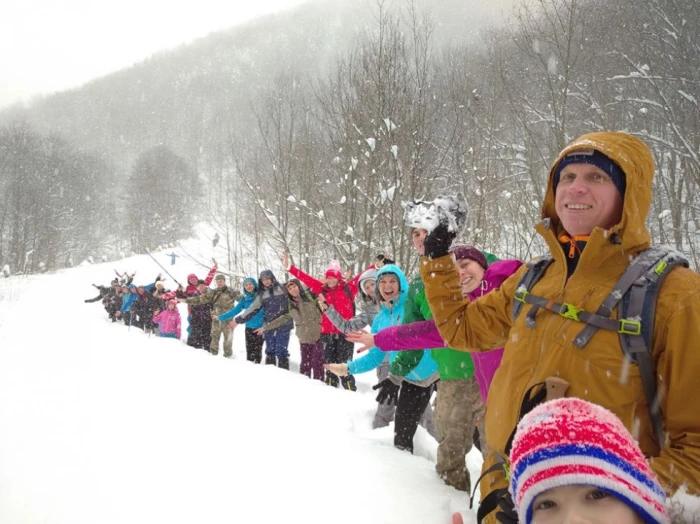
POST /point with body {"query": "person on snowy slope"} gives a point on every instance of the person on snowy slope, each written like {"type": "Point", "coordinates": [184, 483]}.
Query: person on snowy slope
{"type": "Point", "coordinates": [340, 295]}
{"type": "Point", "coordinates": [412, 392]}
{"type": "Point", "coordinates": [253, 328]}
{"type": "Point", "coordinates": [369, 307]}
{"type": "Point", "coordinates": [168, 320]}
{"type": "Point", "coordinates": [200, 321]}
{"type": "Point", "coordinates": [306, 313]}
{"type": "Point", "coordinates": [597, 199]}
{"type": "Point", "coordinates": [272, 300]}
{"type": "Point", "coordinates": [221, 300]}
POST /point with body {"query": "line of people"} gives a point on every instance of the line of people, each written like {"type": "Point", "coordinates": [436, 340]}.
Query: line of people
{"type": "Point", "coordinates": [606, 318]}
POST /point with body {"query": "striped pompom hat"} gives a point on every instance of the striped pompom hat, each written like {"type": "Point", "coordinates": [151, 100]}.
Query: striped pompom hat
{"type": "Point", "coordinates": [571, 442]}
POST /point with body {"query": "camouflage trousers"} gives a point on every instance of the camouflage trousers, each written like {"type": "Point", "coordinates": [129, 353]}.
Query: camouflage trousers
{"type": "Point", "coordinates": [219, 329]}
{"type": "Point", "coordinates": [458, 410]}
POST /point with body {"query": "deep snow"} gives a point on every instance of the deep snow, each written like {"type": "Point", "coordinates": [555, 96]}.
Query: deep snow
{"type": "Point", "coordinates": [104, 424]}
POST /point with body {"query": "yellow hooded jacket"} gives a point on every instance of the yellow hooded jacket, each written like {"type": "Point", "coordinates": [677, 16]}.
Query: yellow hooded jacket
{"type": "Point", "coordinates": [597, 372]}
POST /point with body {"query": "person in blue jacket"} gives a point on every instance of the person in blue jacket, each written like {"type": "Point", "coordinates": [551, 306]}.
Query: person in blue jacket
{"type": "Point", "coordinates": [128, 300]}
{"type": "Point", "coordinates": [272, 300]}
{"type": "Point", "coordinates": [253, 327]}
{"type": "Point", "coordinates": [413, 390]}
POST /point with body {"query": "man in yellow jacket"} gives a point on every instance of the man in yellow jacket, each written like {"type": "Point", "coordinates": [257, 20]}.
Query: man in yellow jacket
{"type": "Point", "coordinates": [597, 199]}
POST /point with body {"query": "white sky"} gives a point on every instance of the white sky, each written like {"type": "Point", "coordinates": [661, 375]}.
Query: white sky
{"type": "Point", "coordinates": [47, 46]}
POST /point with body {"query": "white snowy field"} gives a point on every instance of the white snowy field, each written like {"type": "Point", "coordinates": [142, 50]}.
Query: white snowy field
{"type": "Point", "coordinates": [104, 424]}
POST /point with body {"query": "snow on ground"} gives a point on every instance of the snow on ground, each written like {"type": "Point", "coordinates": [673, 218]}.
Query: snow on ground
{"type": "Point", "coordinates": [104, 424]}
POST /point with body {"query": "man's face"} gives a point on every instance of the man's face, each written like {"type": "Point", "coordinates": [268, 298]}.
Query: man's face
{"type": "Point", "coordinates": [220, 283]}
{"type": "Point", "coordinates": [418, 236]}
{"type": "Point", "coordinates": [581, 504]}
{"type": "Point", "coordinates": [586, 197]}
{"type": "Point", "coordinates": [202, 288]}
{"type": "Point", "coordinates": [470, 274]}
{"type": "Point", "coordinates": [389, 287]}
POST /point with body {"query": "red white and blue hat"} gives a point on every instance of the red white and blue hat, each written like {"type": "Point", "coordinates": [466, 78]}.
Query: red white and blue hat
{"type": "Point", "coordinates": [571, 442]}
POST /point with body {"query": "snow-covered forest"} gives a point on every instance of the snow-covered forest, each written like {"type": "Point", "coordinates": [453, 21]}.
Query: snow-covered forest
{"type": "Point", "coordinates": [305, 130]}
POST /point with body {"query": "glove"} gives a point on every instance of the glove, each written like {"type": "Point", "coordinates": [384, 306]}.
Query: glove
{"type": "Point", "coordinates": [507, 515]}
{"type": "Point", "coordinates": [388, 391]}
{"type": "Point", "coordinates": [437, 243]}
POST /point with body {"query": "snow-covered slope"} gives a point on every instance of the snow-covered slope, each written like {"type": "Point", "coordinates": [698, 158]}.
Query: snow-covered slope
{"type": "Point", "coordinates": [102, 424]}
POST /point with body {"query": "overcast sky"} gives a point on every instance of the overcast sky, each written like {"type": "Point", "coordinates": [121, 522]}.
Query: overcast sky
{"type": "Point", "coordinates": [49, 45]}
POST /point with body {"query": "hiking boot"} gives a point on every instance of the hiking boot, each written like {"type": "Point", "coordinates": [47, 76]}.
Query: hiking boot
{"type": "Point", "coordinates": [270, 360]}
{"type": "Point", "coordinates": [283, 363]}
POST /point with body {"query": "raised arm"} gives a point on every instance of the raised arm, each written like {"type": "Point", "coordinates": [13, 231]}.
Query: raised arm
{"type": "Point", "coordinates": [310, 282]}
{"type": "Point", "coordinates": [250, 312]}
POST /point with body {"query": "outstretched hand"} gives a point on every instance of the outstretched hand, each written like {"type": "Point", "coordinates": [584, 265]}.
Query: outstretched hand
{"type": "Point", "coordinates": [388, 391]}
{"type": "Point", "coordinates": [337, 369]}
{"type": "Point", "coordinates": [214, 261]}
{"type": "Point", "coordinates": [285, 260]}
{"type": "Point", "coordinates": [361, 337]}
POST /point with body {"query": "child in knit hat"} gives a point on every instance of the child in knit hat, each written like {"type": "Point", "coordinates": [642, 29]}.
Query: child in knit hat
{"type": "Point", "coordinates": [574, 461]}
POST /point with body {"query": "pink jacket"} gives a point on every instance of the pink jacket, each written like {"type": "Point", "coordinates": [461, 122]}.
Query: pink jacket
{"type": "Point", "coordinates": [168, 322]}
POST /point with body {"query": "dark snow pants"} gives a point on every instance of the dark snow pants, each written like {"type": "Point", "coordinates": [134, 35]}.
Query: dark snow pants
{"type": "Point", "coordinates": [253, 345]}
{"type": "Point", "coordinates": [337, 350]}
{"type": "Point", "coordinates": [412, 404]}
{"type": "Point", "coordinates": [312, 360]}
{"type": "Point", "coordinates": [200, 333]}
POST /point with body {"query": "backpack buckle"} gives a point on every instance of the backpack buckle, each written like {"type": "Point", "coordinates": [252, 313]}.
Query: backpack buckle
{"type": "Point", "coordinates": [571, 312]}
{"type": "Point", "coordinates": [630, 327]}
{"type": "Point", "coordinates": [521, 296]}
{"type": "Point", "coordinates": [660, 267]}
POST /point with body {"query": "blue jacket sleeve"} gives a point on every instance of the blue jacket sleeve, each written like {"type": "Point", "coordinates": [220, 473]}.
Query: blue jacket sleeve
{"type": "Point", "coordinates": [233, 312]}
{"type": "Point", "coordinates": [250, 312]}
{"type": "Point", "coordinates": [368, 362]}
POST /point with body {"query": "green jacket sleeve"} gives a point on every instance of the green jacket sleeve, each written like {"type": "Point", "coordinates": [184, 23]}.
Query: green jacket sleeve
{"type": "Point", "coordinates": [411, 308]}
{"type": "Point", "coordinates": [207, 298]}
{"type": "Point", "coordinates": [405, 362]}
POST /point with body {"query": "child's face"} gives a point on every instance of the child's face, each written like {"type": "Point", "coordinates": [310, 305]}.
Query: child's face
{"type": "Point", "coordinates": [581, 504]}
{"type": "Point", "coordinates": [368, 286]}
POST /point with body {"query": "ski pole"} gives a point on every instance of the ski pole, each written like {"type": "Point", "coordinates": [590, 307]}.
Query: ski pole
{"type": "Point", "coordinates": [166, 271]}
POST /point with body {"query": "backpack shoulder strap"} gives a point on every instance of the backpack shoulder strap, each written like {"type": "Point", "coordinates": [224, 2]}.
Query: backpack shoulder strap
{"type": "Point", "coordinates": [640, 303]}
{"type": "Point", "coordinates": [536, 270]}
{"type": "Point", "coordinates": [348, 292]}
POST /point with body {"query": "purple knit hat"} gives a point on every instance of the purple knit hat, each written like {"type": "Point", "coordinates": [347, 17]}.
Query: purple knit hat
{"type": "Point", "coordinates": [462, 251]}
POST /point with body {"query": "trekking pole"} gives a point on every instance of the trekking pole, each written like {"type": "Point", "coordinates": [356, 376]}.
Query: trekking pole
{"type": "Point", "coordinates": [166, 271]}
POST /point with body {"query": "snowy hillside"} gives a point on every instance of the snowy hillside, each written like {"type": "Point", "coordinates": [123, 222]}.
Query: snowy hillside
{"type": "Point", "coordinates": [102, 424]}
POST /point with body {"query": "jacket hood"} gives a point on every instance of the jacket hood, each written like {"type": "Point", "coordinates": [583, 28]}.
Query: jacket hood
{"type": "Point", "coordinates": [637, 162]}
{"type": "Point", "coordinates": [252, 281]}
{"type": "Point", "coordinates": [266, 273]}
{"type": "Point", "coordinates": [497, 273]}
{"type": "Point", "coordinates": [369, 274]}
{"type": "Point", "coordinates": [403, 283]}
{"type": "Point", "coordinates": [305, 293]}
